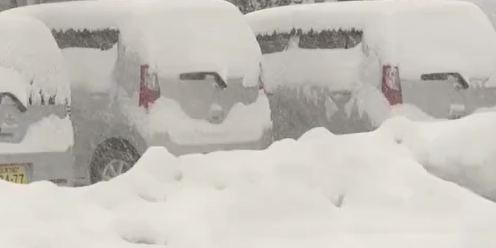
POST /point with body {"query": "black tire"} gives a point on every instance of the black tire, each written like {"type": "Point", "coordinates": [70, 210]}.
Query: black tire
{"type": "Point", "coordinates": [111, 149]}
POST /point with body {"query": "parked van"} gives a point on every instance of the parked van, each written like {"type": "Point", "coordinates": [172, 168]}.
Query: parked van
{"type": "Point", "coordinates": [181, 74]}
{"type": "Point", "coordinates": [437, 57]}
{"type": "Point", "coordinates": [36, 132]}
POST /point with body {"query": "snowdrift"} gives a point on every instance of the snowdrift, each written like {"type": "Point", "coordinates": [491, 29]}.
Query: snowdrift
{"type": "Point", "coordinates": [350, 191]}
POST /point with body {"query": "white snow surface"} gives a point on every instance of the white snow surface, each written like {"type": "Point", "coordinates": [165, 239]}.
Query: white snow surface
{"type": "Point", "coordinates": [322, 191]}
{"type": "Point", "coordinates": [336, 69]}
{"type": "Point", "coordinates": [244, 123]}
{"type": "Point", "coordinates": [90, 69]}
{"type": "Point", "coordinates": [173, 36]}
{"type": "Point", "coordinates": [50, 134]}
{"type": "Point", "coordinates": [410, 34]}
{"type": "Point", "coordinates": [14, 83]}
{"type": "Point", "coordinates": [40, 64]}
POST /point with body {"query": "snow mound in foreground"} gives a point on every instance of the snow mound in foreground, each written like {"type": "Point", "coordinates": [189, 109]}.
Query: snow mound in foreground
{"type": "Point", "coordinates": [324, 191]}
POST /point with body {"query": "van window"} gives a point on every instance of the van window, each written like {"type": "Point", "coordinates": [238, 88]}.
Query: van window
{"type": "Point", "coordinates": [325, 39]}
{"type": "Point", "coordinates": [276, 42]}
{"type": "Point", "coordinates": [330, 39]}
{"type": "Point", "coordinates": [100, 39]}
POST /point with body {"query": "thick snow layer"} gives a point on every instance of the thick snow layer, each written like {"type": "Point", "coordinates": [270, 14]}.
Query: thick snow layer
{"type": "Point", "coordinates": [14, 83]}
{"type": "Point", "coordinates": [244, 123]}
{"type": "Point", "coordinates": [339, 69]}
{"type": "Point", "coordinates": [90, 69]}
{"type": "Point", "coordinates": [40, 64]}
{"type": "Point", "coordinates": [411, 34]}
{"type": "Point", "coordinates": [173, 36]}
{"type": "Point", "coordinates": [50, 134]}
{"type": "Point", "coordinates": [461, 151]}
{"type": "Point", "coordinates": [322, 191]}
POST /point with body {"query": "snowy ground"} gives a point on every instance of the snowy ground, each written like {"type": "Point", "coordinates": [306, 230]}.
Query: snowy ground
{"type": "Point", "coordinates": [348, 191]}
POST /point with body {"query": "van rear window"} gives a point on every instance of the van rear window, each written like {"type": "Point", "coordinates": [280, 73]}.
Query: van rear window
{"type": "Point", "coordinates": [325, 39]}
{"type": "Point", "coordinates": [99, 39]}
{"type": "Point", "coordinates": [273, 43]}
{"type": "Point", "coordinates": [330, 39]}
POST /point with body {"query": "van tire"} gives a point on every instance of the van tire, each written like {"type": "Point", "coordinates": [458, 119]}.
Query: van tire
{"type": "Point", "coordinates": [113, 149]}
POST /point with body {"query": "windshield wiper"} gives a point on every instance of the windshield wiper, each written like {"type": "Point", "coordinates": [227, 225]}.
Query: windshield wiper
{"type": "Point", "coordinates": [16, 101]}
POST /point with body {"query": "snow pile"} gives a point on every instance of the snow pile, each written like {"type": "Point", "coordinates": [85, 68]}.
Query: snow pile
{"type": "Point", "coordinates": [40, 64]}
{"type": "Point", "coordinates": [90, 69]}
{"type": "Point", "coordinates": [350, 191]}
{"type": "Point", "coordinates": [339, 69]}
{"type": "Point", "coordinates": [173, 36]}
{"type": "Point", "coordinates": [50, 134]}
{"type": "Point", "coordinates": [410, 34]}
{"type": "Point", "coordinates": [460, 151]}
{"type": "Point", "coordinates": [167, 117]}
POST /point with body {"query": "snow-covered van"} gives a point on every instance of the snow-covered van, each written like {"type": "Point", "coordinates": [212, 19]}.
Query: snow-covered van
{"type": "Point", "coordinates": [438, 57]}
{"type": "Point", "coordinates": [36, 133]}
{"type": "Point", "coordinates": [183, 74]}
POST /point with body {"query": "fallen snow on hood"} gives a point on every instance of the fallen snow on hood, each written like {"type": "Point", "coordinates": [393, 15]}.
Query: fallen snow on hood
{"type": "Point", "coordinates": [322, 191]}
{"type": "Point", "coordinates": [40, 63]}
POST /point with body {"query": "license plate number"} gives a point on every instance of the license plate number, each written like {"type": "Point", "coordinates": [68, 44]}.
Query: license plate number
{"type": "Point", "coordinates": [13, 173]}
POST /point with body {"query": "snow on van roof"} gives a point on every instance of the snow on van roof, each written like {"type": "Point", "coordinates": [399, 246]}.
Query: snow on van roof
{"type": "Point", "coordinates": [420, 36]}
{"type": "Point", "coordinates": [169, 34]}
{"type": "Point", "coordinates": [28, 47]}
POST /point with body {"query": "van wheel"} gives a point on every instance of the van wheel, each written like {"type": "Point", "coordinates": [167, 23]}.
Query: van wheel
{"type": "Point", "coordinates": [111, 159]}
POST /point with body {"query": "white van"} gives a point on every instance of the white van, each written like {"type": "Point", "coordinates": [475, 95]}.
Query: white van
{"type": "Point", "coordinates": [436, 57]}
{"type": "Point", "coordinates": [181, 74]}
{"type": "Point", "coordinates": [36, 132]}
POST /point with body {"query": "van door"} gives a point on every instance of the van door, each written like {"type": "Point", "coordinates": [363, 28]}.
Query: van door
{"type": "Point", "coordinates": [447, 95]}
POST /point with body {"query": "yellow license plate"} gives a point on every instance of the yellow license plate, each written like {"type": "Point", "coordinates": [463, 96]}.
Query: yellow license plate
{"type": "Point", "coordinates": [13, 173]}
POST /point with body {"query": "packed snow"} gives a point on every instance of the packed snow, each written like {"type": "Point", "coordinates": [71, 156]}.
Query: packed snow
{"type": "Point", "coordinates": [50, 134]}
{"type": "Point", "coordinates": [171, 36]}
{"type": "Point", "coordinates": [90, 69]}
{"type": "Point", "coordinates": [350, 191]}
{"type": "Point", "coordinates": [244, 123]}
{"type": "Point", "coordinates": [337, 69]}
{"type": "Point", "coordinates": [40, 64]}
{"type": "Point", "coordinates": [14, 83]}
{"type": "Point", "coordinates": [461, 151]}
{"type": "Point", "coordinates": [398, 31]}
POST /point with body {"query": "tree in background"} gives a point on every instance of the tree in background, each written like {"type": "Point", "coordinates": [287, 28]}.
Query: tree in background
{"type": "Point", "coordinates": [247, 6]}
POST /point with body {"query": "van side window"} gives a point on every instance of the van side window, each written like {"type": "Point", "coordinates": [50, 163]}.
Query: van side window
{"type": "Point", "coordinates": [276, 42]}
{"type": "Point", "coordinates": [100, 39]}
{"type": "Point", "coordinates": [330, 39]}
